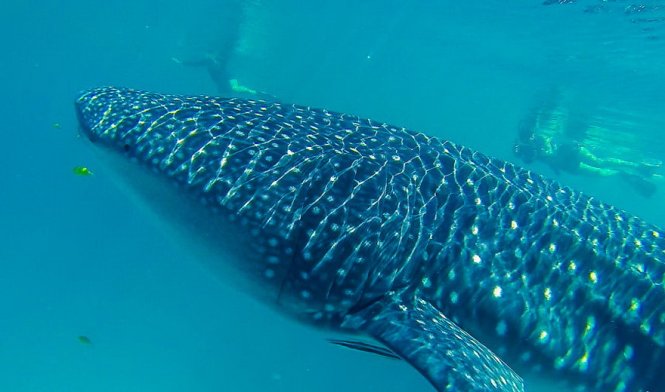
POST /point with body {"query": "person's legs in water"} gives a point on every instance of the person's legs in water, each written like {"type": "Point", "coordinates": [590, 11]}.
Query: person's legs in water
{"type": "Point", "coordinates": [223, 46]}
{"type": "Point", "coordinates": [645, 167]}
{"type": "Point", "coordinates": [216, 68]}
{"type": "Point", "coordinates": [598, 171]}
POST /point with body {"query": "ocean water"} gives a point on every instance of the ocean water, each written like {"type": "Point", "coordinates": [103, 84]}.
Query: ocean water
{"type": "Point", "coordinates": [79, 258]}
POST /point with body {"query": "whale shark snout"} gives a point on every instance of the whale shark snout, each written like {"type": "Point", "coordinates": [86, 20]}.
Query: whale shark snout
{"type": "Point", "coordinates": [110, 117]}
{"type": "Point", "coordinates": [91, 108]}
{"type": "Point", "coordinates": [84, 113]}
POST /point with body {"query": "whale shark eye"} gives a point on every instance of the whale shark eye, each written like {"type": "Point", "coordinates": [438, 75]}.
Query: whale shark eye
{"type": "Point", "coordinates": [126, 147]}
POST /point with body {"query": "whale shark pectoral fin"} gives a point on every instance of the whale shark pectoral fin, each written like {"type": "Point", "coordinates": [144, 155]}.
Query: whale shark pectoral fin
{"type": "Point", "coordinates": [450, 358]}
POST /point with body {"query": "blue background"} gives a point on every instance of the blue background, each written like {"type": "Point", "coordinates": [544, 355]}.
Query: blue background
{"type": "Point", "coordinates": [77, 257]}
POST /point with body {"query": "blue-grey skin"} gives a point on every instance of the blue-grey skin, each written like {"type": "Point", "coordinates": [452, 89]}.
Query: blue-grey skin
{"type": "Point", "coordinates": [363, 227]}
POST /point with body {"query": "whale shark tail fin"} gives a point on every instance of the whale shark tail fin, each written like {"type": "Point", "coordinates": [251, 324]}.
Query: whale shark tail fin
{"type": "Point", "coordinates": [450, 358]}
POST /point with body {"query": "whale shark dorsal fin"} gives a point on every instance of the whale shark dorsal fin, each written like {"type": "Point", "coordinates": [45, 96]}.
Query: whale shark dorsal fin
{"type": "Point", "coordinates": [450, 358]}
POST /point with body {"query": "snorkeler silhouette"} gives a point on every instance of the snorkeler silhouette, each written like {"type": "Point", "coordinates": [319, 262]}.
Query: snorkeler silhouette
{"type": "Point", "coordinates": [216, 66]}
{"type": "Point", "coordinates": [549, 134]}
{"type": "Point", "coordinates": [217, 69]}
{"type": "Point", "coordinates": [216, 62]}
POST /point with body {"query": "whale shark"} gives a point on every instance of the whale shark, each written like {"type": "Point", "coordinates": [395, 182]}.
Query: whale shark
{"type": "Point", "coordinates": [474, 271]}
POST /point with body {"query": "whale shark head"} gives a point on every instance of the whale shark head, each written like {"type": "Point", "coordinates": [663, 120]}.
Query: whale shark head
{"type": "Point", "coordinates": [199, 176]}
{"type": "Point", "coordinates": [249, 189]}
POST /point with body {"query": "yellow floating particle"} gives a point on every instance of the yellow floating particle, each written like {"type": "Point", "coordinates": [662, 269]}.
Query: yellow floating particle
{"type": "Point", "coordinates": [81, 171]}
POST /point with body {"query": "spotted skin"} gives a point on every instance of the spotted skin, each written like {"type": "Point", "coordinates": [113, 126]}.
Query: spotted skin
{"type": "Point", "coordinates": [350, 218]}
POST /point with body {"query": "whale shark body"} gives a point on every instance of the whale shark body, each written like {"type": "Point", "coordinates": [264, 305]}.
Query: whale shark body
{"type": "Point", "coordinates": [466, 267]}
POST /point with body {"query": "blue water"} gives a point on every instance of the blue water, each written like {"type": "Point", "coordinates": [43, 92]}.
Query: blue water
{"type": "Point", "coordinates": [77, 257]}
